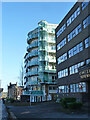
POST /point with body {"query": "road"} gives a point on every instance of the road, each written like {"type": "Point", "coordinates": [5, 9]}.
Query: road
{"type": "Point", "coordinates": [43, 110]}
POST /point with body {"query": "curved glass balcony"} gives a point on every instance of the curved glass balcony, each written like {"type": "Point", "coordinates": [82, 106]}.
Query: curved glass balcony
{"type": "Point", "coordinates": [32, 73]}
{"type": "Point", "coordinates": [32, 63]}
{"type": "Point", "coordinates": [49, 81]}
{"type": "Point", "coordinates": [34, 53]}
{"type": "Point", "coordinates": [32, 36]}
{"type": "Point", "coordinates": [46, 69]}
{"type": "Point", "coordinates": [34, 44]}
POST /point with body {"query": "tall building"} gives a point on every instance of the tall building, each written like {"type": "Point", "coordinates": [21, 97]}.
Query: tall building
{"type": "Point", "coordinates": [40, 61]}
{"type": "Point", "coordinates": [72, 53]}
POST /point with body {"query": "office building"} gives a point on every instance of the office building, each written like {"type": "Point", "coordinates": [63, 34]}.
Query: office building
{"type": "Point", "coordinates": [72, 53]}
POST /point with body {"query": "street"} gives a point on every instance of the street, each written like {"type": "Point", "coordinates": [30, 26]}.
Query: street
{"type": "Point", "coordinates": [43, 110]}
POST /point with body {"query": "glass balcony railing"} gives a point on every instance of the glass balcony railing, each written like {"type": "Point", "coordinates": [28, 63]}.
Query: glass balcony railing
{"type": "Point", "coordinates": [34, 44]}
{"type": "Point", "coordinates": [49, 81]}
{"type": "Point", "coordinates": [32, 63]}
{"type": "Point", "coordinates": [32, 36]}
{"type": "Point", "coordinates": [32, 73]}
{"type": "Point", "coordinates": [43, 58]}
{"type": "Point", "coordinates": [46, 69]}
{"type": "Point", "coordinates": [34, 53]}
{"type": "Point", "coordinates": [33, 92]}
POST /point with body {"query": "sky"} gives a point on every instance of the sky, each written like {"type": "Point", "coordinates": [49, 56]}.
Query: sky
{"type": "Point", "coordinates": [18, 18]}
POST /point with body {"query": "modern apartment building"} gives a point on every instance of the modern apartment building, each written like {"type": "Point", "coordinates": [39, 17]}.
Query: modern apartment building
{"type": "Point", "coordinates": [40, 62]}
{"type": "Point", "coordinates": [72, 53]}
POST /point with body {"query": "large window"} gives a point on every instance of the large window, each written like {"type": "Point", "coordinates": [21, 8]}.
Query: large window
{"type": "Point", "coordinates": [87, 61]}
{"type": "Point", "coordinates": [84, 4]}
{"type": "Point", "coordinates": [62, 58]}
{"type": "Point", "coordinates": [86, 22]}
{"type": "Point", "coordinates": [74, 32]}
{"type": "Point", "coordinates": [64, 89]}
{"type": "Point", "coordinates": [61, 44]}
{"type": "Point", "coordinates": [61, 30]}
{"type": "Point", "coordinates": [74, 69]}
{"type": "Point", "coordinates": [73, 16]}
{"type": "Point", "coordinates": [63, 73]}
{"type": "Point", "coordinates": [75, 50]}
{"type": "Point", "coordinates": [78, 87]}
{"type": "Point", "coordinates": [87, 42]}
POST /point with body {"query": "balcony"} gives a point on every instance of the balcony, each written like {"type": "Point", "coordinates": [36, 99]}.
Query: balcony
{"type": "Point", "coordinates": [51, 60]}
{"type": "Point", "coordinates": [48, 81]}
{"type": "Point", "coordinates": [33, 63]}
{"type": "Point", "coordinates": [43, 58]}
{"type": "Point", "coordinates": [51, 50]}
{"type": "Point", "coordinates": [46, 69]}
{"type": "Point", "coordinates": [32, 36]}
{"type": "Point", "coordinates": [32, 73]}
{"type": "Point", "coordinates": [32, 54]}
{"type": "Point", "coordinates": [33, 92]}
{"type": "Point", "coordinates": [34, 44]}
{"type": "Point", "coordinates": [51, 41]}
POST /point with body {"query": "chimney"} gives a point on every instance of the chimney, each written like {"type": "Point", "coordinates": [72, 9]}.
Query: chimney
{"type": "Point", "coordinates": [10, 83]}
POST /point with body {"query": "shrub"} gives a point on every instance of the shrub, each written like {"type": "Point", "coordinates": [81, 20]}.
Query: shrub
{"type": "Point", "coordinates": [11, 100]}
{"type": "Point", "coordinates": [66, 101]}
{"type": "Point", "coordinates": [69, 100]}
{"type": "Point", "coordinates": [63, 103]}
{"type": "Point", "coordinates": [75, 105]}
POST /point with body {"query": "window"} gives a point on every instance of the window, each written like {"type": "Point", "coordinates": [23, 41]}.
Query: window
{"type": "Point", "coordinates": [53, 77]}
{"type": "Point", "coordinates": [69, 37]}
{"type": "Point", "coordinates": [81, 46]}
{"type": "Point", "coordinates": [74, 32]}
{"type": "Point", "coordinates": [50, 88]}
{"type": "Point", "coordinates": [61, 30]}
{"type": "Point", "coordinates": [61, 89]}
{"type": "Point", "coordinates": [79, 28]}
{"type": "Point", "coordinates": [87, 42]}
{"type": "Point", "coordinates": [87, 61]}
{"type": "Point", "coordinates": [73, 16]}
{"type": "Point", "coordinates": [85, 23]}
{"type": "Point", "coordinates": [71, 88]}
{"type": "Point", "coordinates": [74, 69]}
{"type": "Point", "coordinates": [84, 4]}
{"type": "Point", "coordinates": [67, 88]}
{"type": "Point", "coordinates": [75, 50]}
{"type": "Point", "coordinates": [54, 88]}
{"type": "Point", "coordinates": [68, 21]}
{"type": "Point", "coordinates": [61, 44]}
{"type": "Point", "coordinates": [63, 73]}
{"type": "Point", "coordinates": [64, 89]}
{"type": "Point", "coordinates": [77, 11]}
{"type": "Point", "coordinates": [77, 87]}
{"type": "Point", "coordinates": [62, 58]}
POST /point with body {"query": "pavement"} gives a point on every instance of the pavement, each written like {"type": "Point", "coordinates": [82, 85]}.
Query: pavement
{"type": "Point", "coordinates": [3, 111]}
{"type": "Point", "coordinates": [45, 110]}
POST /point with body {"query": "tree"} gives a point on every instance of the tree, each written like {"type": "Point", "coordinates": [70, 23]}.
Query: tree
{"type": "Point", "coordinates": [21, 75]}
